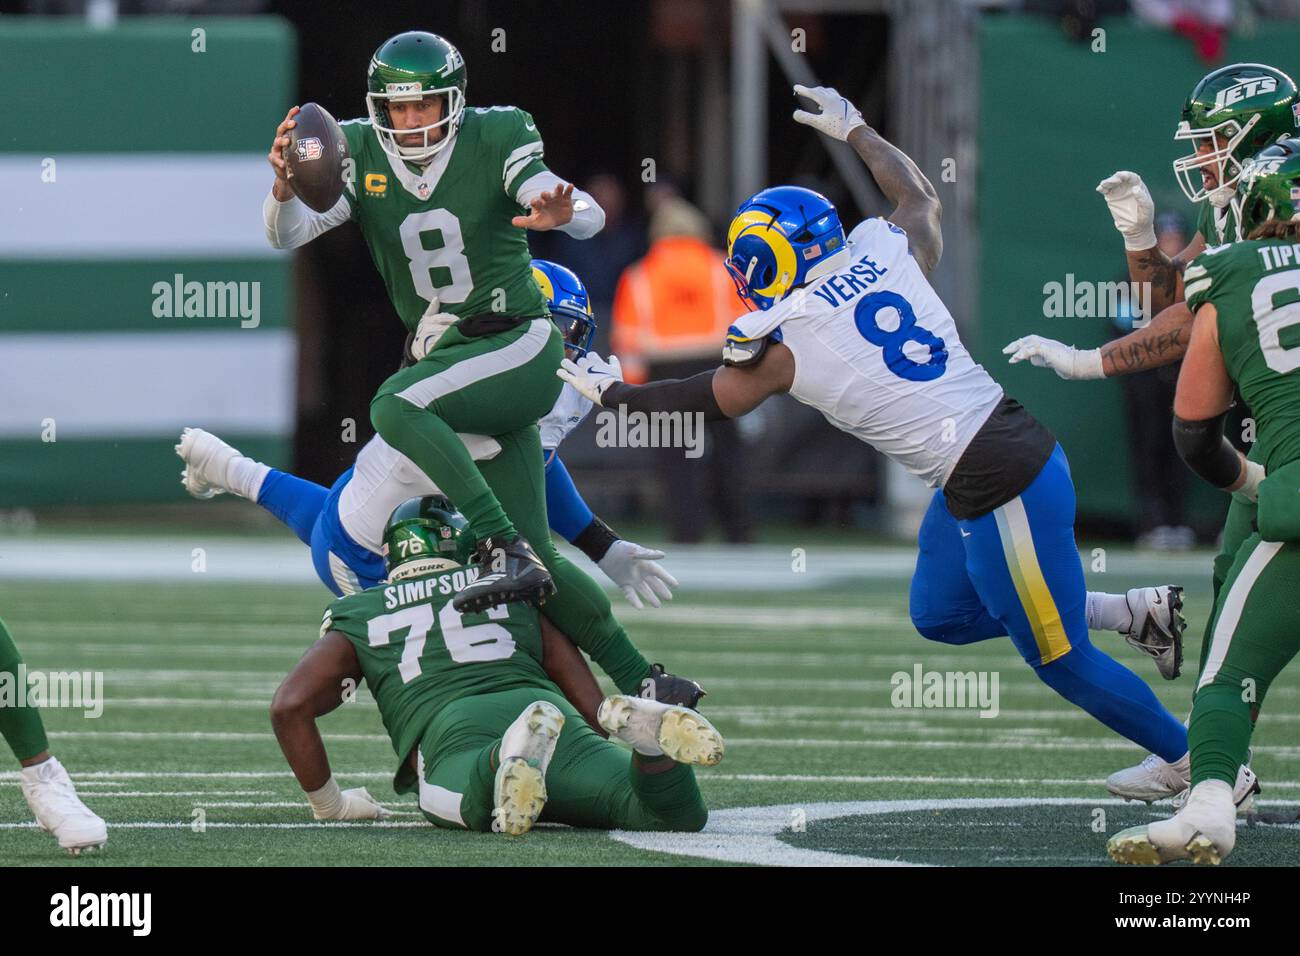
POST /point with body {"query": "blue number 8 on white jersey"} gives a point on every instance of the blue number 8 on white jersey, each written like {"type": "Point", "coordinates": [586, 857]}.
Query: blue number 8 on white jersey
{"type": "Point", "coordinates": [877, 352]}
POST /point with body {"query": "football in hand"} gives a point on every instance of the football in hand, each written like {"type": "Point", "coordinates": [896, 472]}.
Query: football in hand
{"type": "Point", "coordinates": [316, 158]}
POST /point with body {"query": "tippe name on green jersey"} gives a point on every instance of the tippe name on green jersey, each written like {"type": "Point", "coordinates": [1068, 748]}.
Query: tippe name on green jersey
{"type": "Point", "coordinates": [1254, 286]}
{"type": "Point", "coordinates": [418, 653]}
{"type": "Point", "coordinates": [440, 234]}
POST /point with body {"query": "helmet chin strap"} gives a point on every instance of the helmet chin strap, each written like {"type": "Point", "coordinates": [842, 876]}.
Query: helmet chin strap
{"type": "Point", "coordinates": [1220, 196]}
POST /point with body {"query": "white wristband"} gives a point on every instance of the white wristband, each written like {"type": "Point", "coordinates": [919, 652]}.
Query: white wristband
{"type": "Point", "coordinates": [327, 802]}
{"type": "Point", "coordinates": [1087, 364]}
{"type": "Point", "coordinates": [1254, 475]}
{"type": "Point", "coordinates": [1140, 241]}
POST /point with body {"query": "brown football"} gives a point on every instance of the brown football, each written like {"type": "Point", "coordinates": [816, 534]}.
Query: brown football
{"type": "Point", "coordinates": [316, 158]}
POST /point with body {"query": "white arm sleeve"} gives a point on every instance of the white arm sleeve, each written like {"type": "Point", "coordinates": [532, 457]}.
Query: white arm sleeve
{"type": "Point", "coordinates": [292, 224]}
{"type": "Point", "coordinates": [588, 218]}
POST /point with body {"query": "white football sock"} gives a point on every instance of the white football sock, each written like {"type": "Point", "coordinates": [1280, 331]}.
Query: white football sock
{"type": "Point", "coordinates": [1108, 612]}
{"type": "Point", "coordinates": [244, 476]}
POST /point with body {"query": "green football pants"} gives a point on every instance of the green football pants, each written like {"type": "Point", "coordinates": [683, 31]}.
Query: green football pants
{"type": "Point", "coordinates": [491, 385]}
{"type": "Point", "coordinates": [591, 782]}
{"type": "Point", "coordinates": [21, 727]}
{"type": "Point", "coordinates": [504, 405]}
{"type": "Point", "coordinates": [1254, 633]}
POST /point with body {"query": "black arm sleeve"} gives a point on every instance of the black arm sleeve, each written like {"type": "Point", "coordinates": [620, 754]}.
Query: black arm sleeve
{"type": "Point", "coordinates": [1202, 446]}
{"type": "Point", "coordinates": [594, 540]}
{"type": "Point", "coordinates": [694, 394]}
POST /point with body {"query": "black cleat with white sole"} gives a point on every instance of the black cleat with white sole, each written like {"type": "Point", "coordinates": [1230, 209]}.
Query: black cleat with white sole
{"type": "Point", "coordinates": [670, 689]}
{"type": "Point", "coordinates": [1158, 626]}
{"type": "Point", "coordinates": [509, 572]}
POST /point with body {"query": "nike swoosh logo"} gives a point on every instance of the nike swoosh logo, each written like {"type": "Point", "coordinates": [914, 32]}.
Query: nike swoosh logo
{"type": "Point", "coordinates": [965, 534]}
{"type": "Point", "coordinates": [530, 127]}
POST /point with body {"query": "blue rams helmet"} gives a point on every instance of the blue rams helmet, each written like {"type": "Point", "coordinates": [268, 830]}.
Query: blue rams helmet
{"type": "Point", "coordinates": [568, 302]}
{"type": "Point", "coordinates": [779, 239]}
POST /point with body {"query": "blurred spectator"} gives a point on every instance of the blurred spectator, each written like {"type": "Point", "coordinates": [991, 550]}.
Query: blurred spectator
{"type": "Point", "coordinates": [1204, 22]}
{"type": "Point", "coordinates": [1159, 475]}
{"type": "Point", "coordinates": [671, 312]}
{"type": "Point", "coordinates": [598, 263]}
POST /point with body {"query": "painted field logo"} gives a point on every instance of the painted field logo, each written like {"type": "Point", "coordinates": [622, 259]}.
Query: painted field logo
{"type": "Point", "coordinates": [75, 908]}
{"type": "Point", "coordinates": [651, 430]}
{"type": "Point", "coordinates": [179, 299]}
{"type": "Point", "coordinates": [80, 690]}
{"type": "Point", "coordinates": [946, 689]}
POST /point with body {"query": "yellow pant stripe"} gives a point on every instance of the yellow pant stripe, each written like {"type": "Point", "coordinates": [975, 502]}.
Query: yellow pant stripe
{"type": "Point", "coordinates": [1027, 576]}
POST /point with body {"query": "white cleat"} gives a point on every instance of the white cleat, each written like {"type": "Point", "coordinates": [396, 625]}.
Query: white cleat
{"type": "Point", "coordinates": [1153, 779]}
{"type": "Point", "coordinates": [1203, 831]}
{"type": "Point", "coordinates": [527, 746]}
{"type": "Point", "coordinates": [49, 792]}
{"type": "Point", "coordinates": [207, 461]}
{"type": "Point", "coordinates": [1158, 625]}
{"type": "Point", "coordinates": [653, 729]}
{"type": "Point", "coordinates": [1243, 794]}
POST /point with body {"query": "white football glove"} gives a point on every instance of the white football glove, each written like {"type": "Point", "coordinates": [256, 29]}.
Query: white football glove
{"type": "Point", "coordinates": [1065, 360]}
{"type": "Point", "coordinates": [1249, 491]}
{"type": "Point", "coordinates": [331, 803]}
{"type": "Point", "coordinates": [429, 331]}
{"type": "Point", "coordinates": [1131, 207]}
{"type": "Point", "coordinates": [838, 117]}
{"type": "Point", "coordinates": [636, 569]}
{"type": "Point", "coordinates": [591, 375]}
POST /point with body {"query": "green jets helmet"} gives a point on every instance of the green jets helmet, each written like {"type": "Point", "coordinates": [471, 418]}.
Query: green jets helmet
{"type": "Point", "coordinates": [407, 68]}
{"type": "Point", "coordinates": [1230, 115]}
{"type": "Point", "coordinates": [1269, 187]}
{"type": "Point", "coordinates": [425, 535]}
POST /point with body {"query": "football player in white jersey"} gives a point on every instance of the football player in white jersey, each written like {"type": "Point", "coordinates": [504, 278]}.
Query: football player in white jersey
{"type": "Point", "coordinates": [851, 326]}
{"type": "Point", "coordinates": [344, 525]}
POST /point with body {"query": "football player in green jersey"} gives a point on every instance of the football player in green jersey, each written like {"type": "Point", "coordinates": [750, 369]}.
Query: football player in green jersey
{"type": "Point", "coordinates": [1246, 299]}
{"type": "Point", "coordinates": [1231, 114]}
{"type": "Point", "coordinates": [45, 783]}
{"type": "Point", "coordinates": [483, 736]}
{"type": "Point", "coordinates": [440, 192]}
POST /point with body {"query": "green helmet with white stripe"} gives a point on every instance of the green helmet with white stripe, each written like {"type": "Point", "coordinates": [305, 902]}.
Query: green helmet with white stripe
{"type": "Point", "coordinates": [407, 68]}
{"type": "Point", "coordinates": [426, 535]}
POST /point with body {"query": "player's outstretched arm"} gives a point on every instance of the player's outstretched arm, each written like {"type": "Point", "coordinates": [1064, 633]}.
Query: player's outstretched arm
{"type": "Point", "coordinates": [1162, 342]}
{"type": "Point", "coordinates": [917, 209]}
{"type": "Point", "coordinates": [1133, 212]}
{"type": "Point", "coordinates": [726, 392]}
{"type": "Point", "coordinates": [313, 688]}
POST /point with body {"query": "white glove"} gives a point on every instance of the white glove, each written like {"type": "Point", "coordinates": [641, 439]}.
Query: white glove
{"type": "Point", "coordinates": [331, 803]}
{"type": "Point", "coordinates": [1132, 209]}
{"type": "Point", "coordinates": [1065, 360]}
{"type": "Point", "coordinates": [634, 568]}
{"type": "Point", "coordinates": [1249, 491]}
{"type": "Point", "coordinates": [591, 375]}
{"type": "Point", "coordinates": [427, 333]}
{"type": "Point", "coordinates": [838, 117]}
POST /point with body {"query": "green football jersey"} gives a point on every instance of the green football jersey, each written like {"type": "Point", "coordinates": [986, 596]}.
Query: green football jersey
{"type": "Point", "coordinates": [1217, 226]}
{"type": "Point", "coordinates": [443, 231]}
{"type": "Point", "coordinates": [1254, 287]}
{"type": "Point", "coordinates": [419, 654]}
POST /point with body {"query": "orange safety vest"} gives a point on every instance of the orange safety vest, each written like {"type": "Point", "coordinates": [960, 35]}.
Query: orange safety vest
{"type": "Point", "coordinates": [676, 303]}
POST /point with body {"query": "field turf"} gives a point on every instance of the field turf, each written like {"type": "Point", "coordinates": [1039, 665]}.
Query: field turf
{"type": "Point", "coordinates": [820, 767]}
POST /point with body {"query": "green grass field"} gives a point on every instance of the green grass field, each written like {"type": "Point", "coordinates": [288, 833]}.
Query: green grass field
{"type": "Point", "coordinates": [820, 767]}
